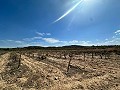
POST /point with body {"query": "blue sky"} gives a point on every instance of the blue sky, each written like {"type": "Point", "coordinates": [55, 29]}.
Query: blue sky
{"type": "Point", "coordinates": [59, 22]}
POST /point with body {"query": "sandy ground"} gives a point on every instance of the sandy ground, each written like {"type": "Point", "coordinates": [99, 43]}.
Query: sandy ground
{"type": "Point", "coordinates": [50, 74]}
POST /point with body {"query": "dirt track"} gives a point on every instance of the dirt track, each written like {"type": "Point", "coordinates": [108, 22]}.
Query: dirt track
{"type": "Point", "coordinates": [3, 62]}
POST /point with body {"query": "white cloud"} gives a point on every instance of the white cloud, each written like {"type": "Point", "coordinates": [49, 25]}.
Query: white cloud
{"type": "Point", "coordinates": [9, 41]}
{"type": "Point", "coordinates": [73, 41]}
{"type": "Point", "coordinates": [117, 32]}
{"type": "Point", "coordinates": [43, 34]}
{"type": "Point", "coordinates": [106, 39]}
{"type": "Point", "coordinates": [19, 42]}
{"type": "Point", "coordinates": [48, 34]}
{"type": "Point", "coordinates": [86, 43]}
{"type": "Point", "coordinates": [114, 37]}
{"type": "Point", "coordinates": [30, 39]}
{"type": "Point", "coordinates": [12, 43]}
{"type": "Point", "coordinates": [36, 41]}
{"type": "Point", "coordinates": [36, 38]}
{"type": "Point", "coordinates": [114, 41]}
{"type": "Point", "coordinates": [34, 44]}
{"type": "Point", "coordinates": [50, 40]}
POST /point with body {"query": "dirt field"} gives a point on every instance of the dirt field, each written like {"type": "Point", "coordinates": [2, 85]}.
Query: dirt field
{"type": "Point", "coordinates": [51, 74]}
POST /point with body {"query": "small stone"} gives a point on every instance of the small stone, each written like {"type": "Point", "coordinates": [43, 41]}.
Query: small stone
{"type": "Point", "coordinates": [56, 78]}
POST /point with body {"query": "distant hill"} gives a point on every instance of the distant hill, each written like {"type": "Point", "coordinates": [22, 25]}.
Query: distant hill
{"type": "Point", "coordinates": [70, 47]}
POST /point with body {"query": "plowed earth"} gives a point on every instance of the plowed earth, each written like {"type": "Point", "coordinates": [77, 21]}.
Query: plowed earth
{"type": "Point", "coordinates": [50, 74]}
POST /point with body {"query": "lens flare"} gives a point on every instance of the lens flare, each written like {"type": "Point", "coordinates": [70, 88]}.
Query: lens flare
{"type": "Point", "coordinates": [69, 11]}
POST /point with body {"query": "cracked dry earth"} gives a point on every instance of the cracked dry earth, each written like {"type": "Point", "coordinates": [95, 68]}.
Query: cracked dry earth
{"type": "Point", "coordinates": [50, 74]}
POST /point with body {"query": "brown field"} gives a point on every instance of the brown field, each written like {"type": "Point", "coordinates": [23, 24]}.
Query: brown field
{"type": "Point", "coordinates": [48, 71]}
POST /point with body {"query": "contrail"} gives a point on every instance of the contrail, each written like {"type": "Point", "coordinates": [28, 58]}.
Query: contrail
{"type": "Point", "coordinates": [70, 10]}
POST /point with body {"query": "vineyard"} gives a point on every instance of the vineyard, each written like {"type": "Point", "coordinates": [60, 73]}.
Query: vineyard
{"type": "Point", "coordinates": [85, 69]}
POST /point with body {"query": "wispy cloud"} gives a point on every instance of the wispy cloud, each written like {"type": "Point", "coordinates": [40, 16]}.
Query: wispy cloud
{"type": "Point", "coordinates": [9, 41]}
{"type": "Point", "coordinates": [31, 39]}
{"type": "Point", "coordinates": [48, 34]}
{"type": "Point", "coordinates": [114, 40]}
{"type": "Point", "coordinates": [20, 42]}
{"type": "Point", "coordinates": [50, 40]}
{"type": "Point", "coordinates": [12, 43]}
{"type": "Point", "coordinates": [43, 34]}
{"type": "Point", "coordinates": [117, 32]}
{"type": "Point", "coordinates": [69, 11]}
{"type": "Point", "coordinates": [77, 42]}
{"type": "Point", "coordinates": [34, 44]}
